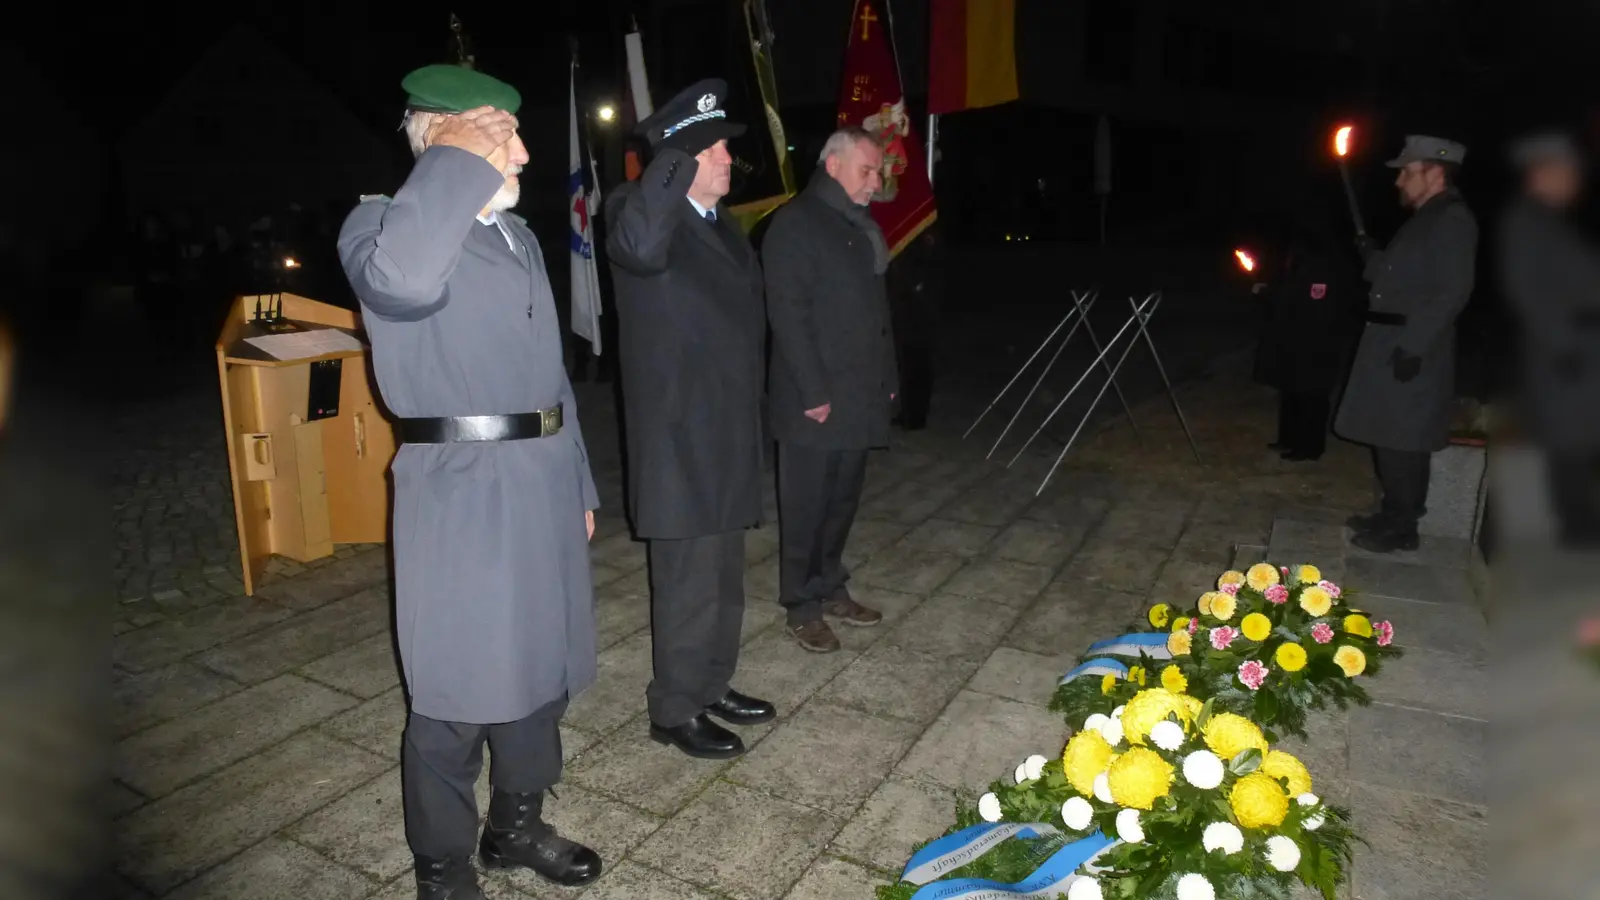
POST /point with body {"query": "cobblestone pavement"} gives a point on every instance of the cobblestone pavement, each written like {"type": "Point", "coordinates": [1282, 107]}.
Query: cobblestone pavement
{"type": "Point", "coordinates": [258, 737]}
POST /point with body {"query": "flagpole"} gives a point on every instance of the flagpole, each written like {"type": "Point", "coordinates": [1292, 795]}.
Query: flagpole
{"type": "Point", "coordinates": [933, 137]}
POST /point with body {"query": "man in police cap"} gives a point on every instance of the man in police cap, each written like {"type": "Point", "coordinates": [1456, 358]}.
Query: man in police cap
{"type": "Point", "coordinates": [1552, 279]}
{"type": "Point", "coordinates": [1402, 382]}
{"type": "Point", "coordinates": [692, 330]}
{"type": "Point", "coordinates": [493, 500]}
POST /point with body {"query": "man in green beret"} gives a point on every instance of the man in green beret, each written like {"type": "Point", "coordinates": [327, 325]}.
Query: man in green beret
{"type": "Point", "coordinates": [493, 499]}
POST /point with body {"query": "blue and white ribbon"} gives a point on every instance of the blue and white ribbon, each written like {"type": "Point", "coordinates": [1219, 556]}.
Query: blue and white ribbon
{"type": "Point", "coordinates": [699, 117]}
{"type": "Point", "coordinates": [1051, 879]}
{"type": "Point", "coordinates": [1151, 644]}
{"type": "Point", "coordinates": [953, 851]}
{"type": "Point", "coordinates": [1103, 666]}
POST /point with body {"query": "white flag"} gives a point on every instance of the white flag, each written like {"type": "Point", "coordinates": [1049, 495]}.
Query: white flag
{"type": "Point", "coordinates": [585, 277]}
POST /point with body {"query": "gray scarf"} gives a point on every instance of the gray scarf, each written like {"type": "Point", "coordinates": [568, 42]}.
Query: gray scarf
{"type": "Point", "coordinates": [832, 193]}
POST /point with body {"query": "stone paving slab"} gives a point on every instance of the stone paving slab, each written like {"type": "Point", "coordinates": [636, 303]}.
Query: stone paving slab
{"type": "Point", "coordinates": [259, 737]}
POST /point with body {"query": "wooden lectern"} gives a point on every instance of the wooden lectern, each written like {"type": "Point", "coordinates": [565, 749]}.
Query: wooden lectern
{"type": "Point", "coordinates": [308, 472]}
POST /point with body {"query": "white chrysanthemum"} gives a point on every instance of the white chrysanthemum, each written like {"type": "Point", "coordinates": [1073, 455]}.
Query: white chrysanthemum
{"type": "Point", "coordinates": [1102, 788]}
{"type": "Point", "coordinates": [1195, 887]}
{"type": "Point", "coordinates": [1117, 713]}
{"type": "Point", "coordinates": [1033, 766]}
{"type": "Point", "coordinates": [1203, 769]}
{"type": "Point", "coordinates": [1021, 774]}
{"type": "Point", "coordinates": [1223, 836]}
{"type": "Point", "coordinates": [1096, 722]}
{"type": "Point", "coordinates": [1077, 813]}
{"type": "Point", "coordinates": [1085, 888]}
{"type": "Point", "coordinates": [1128, 826]}
{"type": "Point", "coordinates": [1167, 734]}
{"type": "Point", "coordinates": [1283, 854]}
{"type": "Point", "coordinates": [1315, 820]}
{"type": "Point", "coordinates": [1112, 731]}
{"type": "Point", "coordinates": [989, 807]}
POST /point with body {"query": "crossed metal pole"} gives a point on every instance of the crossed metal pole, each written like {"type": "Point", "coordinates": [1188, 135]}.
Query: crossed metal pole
{"type": "Point", "coordinates": [1142, 312]}
{"type": "Point", "coordinates": [1082, 302]}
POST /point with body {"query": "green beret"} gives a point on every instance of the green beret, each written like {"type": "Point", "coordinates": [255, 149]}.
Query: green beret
{"type": "Point", "coordinates": [455, 89]}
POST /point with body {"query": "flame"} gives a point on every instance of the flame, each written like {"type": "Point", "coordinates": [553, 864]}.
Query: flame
{"type": "Point", "coordinates": [290, 262]}
{"type": "Point", "coordinates": [1341, 140]}
{"type": "Point", "coordinates": [1246, 261]}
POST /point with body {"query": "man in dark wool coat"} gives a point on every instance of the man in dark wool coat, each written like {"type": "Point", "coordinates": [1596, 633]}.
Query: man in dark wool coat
{"type": "Point", "coordinates": [1402, 382]}
{"type": "Point", "coordinates": [493, 500]}
{"type": "Point", "coordinates": [692, 333]}
{"type": "Point", "coordinates": [834, 377]}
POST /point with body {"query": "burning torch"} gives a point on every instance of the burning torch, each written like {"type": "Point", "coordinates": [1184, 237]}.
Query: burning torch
{"type": "Point", "coordinates": [1341, 149]}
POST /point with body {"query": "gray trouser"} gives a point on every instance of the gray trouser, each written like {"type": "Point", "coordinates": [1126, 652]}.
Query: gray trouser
{"type": "Point", "coordinates": [696, 613]}
{"type": "Point", "coordinates": [440, 766]}
{"type": "Point", "coordinates": [819, 492]}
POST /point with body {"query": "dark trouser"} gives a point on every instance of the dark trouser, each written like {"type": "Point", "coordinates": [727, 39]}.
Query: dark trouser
{"type": "Point", "coordinates": [1404, 477]}
{"type": "Point", "coordinates": [1303, 422]}
{"type": "Point", "coordinates": [818, 494]}
{"type": "Point", "coordinates": [916, 384]}
{"type": "Point", "coordinates": [440, 766]}
{"type": "Point", "coordinates": [1575, 494]}
{"type": "Point", "coordinates": [696, 613]}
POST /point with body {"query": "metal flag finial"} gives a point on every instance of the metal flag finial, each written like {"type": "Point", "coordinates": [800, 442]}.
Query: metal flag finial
{"type": "Point", "coordinates": [461, 45]}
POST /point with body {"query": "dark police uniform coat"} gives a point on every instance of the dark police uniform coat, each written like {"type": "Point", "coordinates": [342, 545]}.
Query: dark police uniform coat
{"type": "Point", "coordinates": [1425, 275]}
{"type": "Point", "coordinates": [1312, 315]}
{"type": "Point", "coordinates": [493, 597]}
{"type": "Point", "coordinates": [692, 332]}
{"type": "Point", "coordinates": [1552, 278]}
{"type": "Point", "coordinates": [832, 338]}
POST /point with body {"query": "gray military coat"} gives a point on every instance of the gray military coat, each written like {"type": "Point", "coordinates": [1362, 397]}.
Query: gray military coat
{"type": "Point", "coordinates": [1552, 278]}
{"type": "Point", "coordinates": [1426, 275]}
{"type": "Point", "coordinates": [493, 596]}
{"type": "Point", "coordinates": [832, 335]}
{"type": "Point", "coordinates": [692, 334]}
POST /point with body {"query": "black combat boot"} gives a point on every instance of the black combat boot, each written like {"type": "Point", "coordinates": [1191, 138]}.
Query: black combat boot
{"type": "Point", "coordinates": [516, 835]}
{"type": "Point", "coordinates": [446, 879]}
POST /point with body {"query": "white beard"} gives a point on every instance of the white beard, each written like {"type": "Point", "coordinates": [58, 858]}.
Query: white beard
{"type": "Point", "coordinates": [507, 197]}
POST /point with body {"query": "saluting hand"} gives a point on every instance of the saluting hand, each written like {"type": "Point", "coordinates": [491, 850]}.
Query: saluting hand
{"type": "Point", "coordinates": [485, 131]}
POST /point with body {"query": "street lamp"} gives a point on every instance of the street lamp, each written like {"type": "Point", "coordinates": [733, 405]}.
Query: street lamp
{"type": "Point", "coordinates": [606, 114]}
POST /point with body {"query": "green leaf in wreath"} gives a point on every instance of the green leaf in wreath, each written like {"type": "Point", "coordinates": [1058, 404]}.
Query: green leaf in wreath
{"type": "Point", "coordinates": [1266, 706]}
{"type": "Point", "coordinates": [1245, 761]}
{"type": "Point", "coordinates": [1205, 714]}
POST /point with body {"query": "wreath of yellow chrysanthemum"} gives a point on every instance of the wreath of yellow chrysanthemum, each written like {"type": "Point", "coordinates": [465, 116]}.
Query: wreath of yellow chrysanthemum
{"type": "Point", "coordinates": [1258, 801]}
{"type": "Point", "coordinates": [1309, 574]}
{"type": "Point", "coordinates": [1108, 683]}
{"type": "Point", "coordinates": [1172, 679]}
{"type": "Point", "coordinates": [1279, 764]}
{"type": "Point", "coordinates": [1146, 709]}
{"type": "Point", "coordinates": [1316, 601]}
{"type": "Point", "coordinates": [1261, 576]}
{"type": "Point", "coordinates": [1358, 625]}
{"type": "Point", "coordinates": [1181, 623]}
{"type": "Point", "coordinates": [1136, 674]}
{"type": "Point", "coordinates": [1223, 606]}
{"type": "Point", "coordinates": [1351, 660]}
{"type": "Point", "coordinates": [1139, 777]}
{"type": "Point", "coordinates": [1160, 615]}
{"type": "Point", "coordinates": [1228, 735]}
{"type": "Point", "coordinates": [1290, 657]}
{"type": "Point", "coordinates": [1085, 757]}
{"type": "Point", "coordinates": [1179, 643]}
{"type": "Point", "coordinates": [1255, 626]}
{"type": "Point", "coordinates": [1231, 576]}
{"type": "Point", "coordinates": [1191, 706]}
{"type": "Point", "coordinates": [1204, 604]}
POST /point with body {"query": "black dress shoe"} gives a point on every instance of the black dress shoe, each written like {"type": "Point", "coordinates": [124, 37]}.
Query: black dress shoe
{"type": "Point", "coordinates": [699, 737]}
{"type": "Point", "coordinates": [737, 709]}
{"type": "Point", "coordinates": [517, 835]}
{"type": "Point", "coordinates": [1365, 522]}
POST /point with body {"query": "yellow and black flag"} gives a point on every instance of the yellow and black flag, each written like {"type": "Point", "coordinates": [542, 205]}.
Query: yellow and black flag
{"type": "Point", "coordinates": [762, 175]}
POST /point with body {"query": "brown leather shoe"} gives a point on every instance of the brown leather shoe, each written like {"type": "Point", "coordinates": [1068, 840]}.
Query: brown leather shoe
{"type": "Point", "coordinates": [844, 608]}
{"type": "Point", "coordinates": [815, 636]}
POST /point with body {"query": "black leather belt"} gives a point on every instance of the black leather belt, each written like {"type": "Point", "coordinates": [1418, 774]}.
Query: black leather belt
{"type": "Point", "coordinates": [1386, 318]}
{"type": "Point", "coordinates": [453, 429]}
